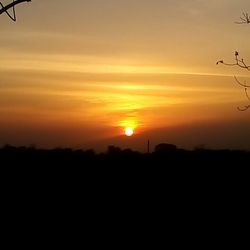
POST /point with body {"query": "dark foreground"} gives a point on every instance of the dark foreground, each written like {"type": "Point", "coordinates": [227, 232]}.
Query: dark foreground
{"type": "Point", "coordinates": [165, 156]}
{"type": "Point", "coordinates": [169, 175]}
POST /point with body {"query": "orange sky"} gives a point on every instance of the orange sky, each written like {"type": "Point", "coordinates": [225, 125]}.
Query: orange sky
{"type": "Point", "coordinates": [77, 75]}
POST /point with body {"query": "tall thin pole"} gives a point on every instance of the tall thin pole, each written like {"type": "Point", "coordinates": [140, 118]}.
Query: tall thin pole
{"type": "Point", "coordinates": [148, 147]}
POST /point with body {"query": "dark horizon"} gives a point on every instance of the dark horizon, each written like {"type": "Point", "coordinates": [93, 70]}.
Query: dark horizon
{"type": "Point", "coordinates": [164, 155]}
{"type": "Point", "coordinates": [163, 147]}
{"type": "Point", "coordinates": [217, 136]}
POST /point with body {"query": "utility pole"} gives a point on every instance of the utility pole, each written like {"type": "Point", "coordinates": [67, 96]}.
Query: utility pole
{"type": "Point", "coordinates": [148, 147]}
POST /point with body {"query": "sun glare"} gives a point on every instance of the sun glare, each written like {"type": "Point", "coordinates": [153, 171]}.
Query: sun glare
{"type": "Point", "coordinates": [129, 131]}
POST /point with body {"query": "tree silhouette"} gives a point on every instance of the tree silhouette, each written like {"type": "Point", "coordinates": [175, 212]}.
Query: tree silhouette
{"type": "Point", "coordinates": [5, 9]}
{"type": "Point", "coordinates": [245, 19]}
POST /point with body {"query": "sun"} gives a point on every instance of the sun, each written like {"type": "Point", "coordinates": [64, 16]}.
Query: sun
{"type": "Point", "coordinates": [128, 131]}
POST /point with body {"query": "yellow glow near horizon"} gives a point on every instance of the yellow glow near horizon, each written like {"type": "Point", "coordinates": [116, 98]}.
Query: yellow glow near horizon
{"type": "Point", "coordinates": [129, 123]}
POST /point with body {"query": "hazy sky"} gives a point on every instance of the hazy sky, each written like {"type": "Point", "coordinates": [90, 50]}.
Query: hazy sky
{"type": "Point", "coordinates": [76, 73]}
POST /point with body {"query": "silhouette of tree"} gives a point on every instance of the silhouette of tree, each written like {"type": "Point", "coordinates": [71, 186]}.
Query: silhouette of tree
{"type": "Point", "coordinates": [5, 9]}
{"type": "Point", "coordinates": [245, 19]}
{"type": "Point", "coordinates": [165, 148]}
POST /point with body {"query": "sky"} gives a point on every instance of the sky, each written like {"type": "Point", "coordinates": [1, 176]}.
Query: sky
{"type": "Point", "coordinates": [77, 73]}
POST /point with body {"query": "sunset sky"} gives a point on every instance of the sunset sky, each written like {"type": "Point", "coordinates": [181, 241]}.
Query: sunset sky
{"type": "Point", "coordinates": [77, 73]}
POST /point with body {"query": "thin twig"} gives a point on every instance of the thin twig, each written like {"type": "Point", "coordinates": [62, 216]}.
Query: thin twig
{"type": "Point", "coordinates": [240, 63]}
{"type": "Point", "coordinates": [246, 106]}
{"type": "Point", "coordinates": [14, 13]}
{"type": "Point", "coordinates": [9, 6]}
{"type": "Point", "coordinates": [247, 95]}
{"type": "Point", "coordinates": [240, 83]}
{"type": "Point", "coordinates": [243, 108]}
{"type": "Point", "coordinates": [245, 19]}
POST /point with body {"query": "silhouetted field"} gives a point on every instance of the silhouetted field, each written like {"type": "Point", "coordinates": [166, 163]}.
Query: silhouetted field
{"type": "Point", "coordinates": [167, 174]}
{"type": "Point", "coordinates": [164, 155]}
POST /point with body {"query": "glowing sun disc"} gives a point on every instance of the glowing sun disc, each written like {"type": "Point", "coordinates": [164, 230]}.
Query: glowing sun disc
{"type": "Point", "coordinates": [129, 131]}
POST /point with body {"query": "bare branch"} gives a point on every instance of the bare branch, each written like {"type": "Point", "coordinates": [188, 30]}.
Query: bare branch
{"type": "Point", "coordinates": [245, 19]}
{"type": "Point", "coordinates": [238, 62]}
{"type": "Point", "coordinates": [241, 84]}
{"type": "Point", "coordinates": [243, 108]}
{"type": "Point", "coordinates": [247, 95]}
{"type": "Point", "coordinates": [12, 5]}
